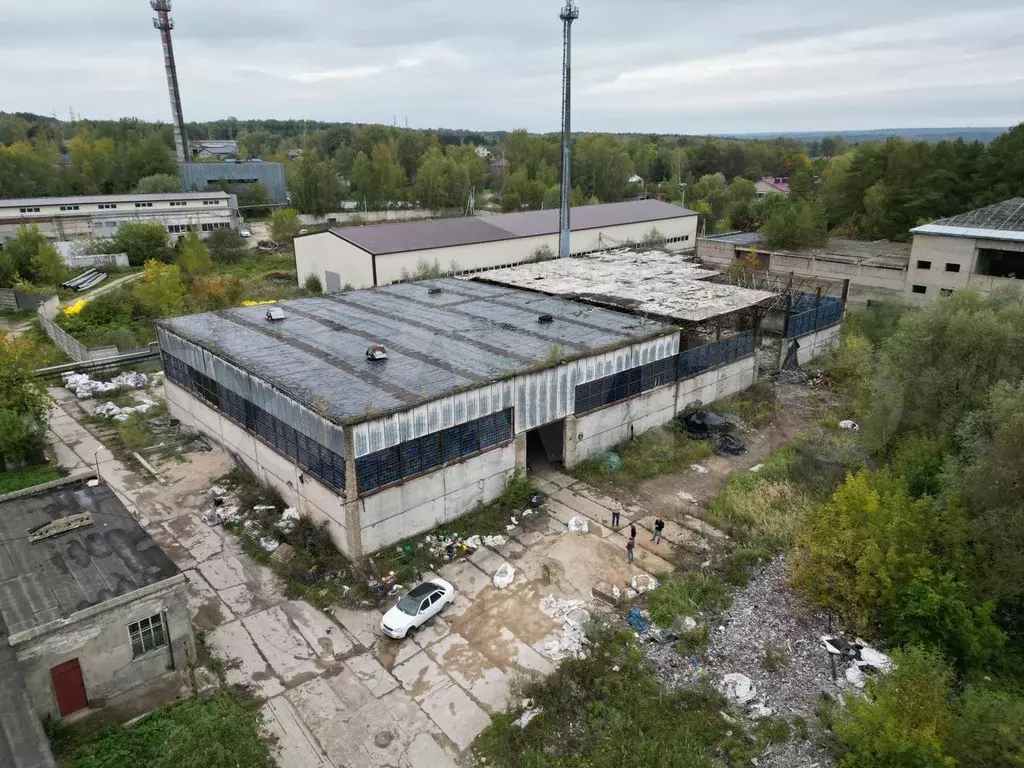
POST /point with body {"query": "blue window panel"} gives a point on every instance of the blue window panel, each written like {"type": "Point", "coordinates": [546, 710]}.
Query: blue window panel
{"type": "Point", "coordinates": [430, 448]}
{"type": "Point", "coordinates": [470, 438]}
{"type": "Point", "coordinates": [412, 458]}
{"type": "Point", "coordinates": [451, 444]}
{"type": "Point", "coordinates": [389, 466]}
{"type": "Point", "coordinates": [366, 472]}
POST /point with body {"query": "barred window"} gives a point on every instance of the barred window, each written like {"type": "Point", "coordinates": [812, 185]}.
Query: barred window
{"type": "Point", "coordinates": [146, 635]}
{"type": "Point", "coordinates": [423, 454]}
{"type": "Point", "coordinates": [625, 384]}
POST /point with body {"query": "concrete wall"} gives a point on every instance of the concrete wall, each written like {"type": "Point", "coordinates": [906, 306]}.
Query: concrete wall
{"type": "Point", "coordinates": [812, 345]}
{"type": "Point", "coordinates": [371, 217]}
{"type": "Point", "coordinates": [423, 502]}
{"type": "Point", "coordinates": [299, 489]}
{"type": "Point", "coordinates": [716, 253]}
{"type": "Point", "coordinates": [866, 281]}
{"type": "Point", "coordinates": [941, 250]}
{"type": "Point", "coordinates": [594, 433]}
{"type": "Point", "coordinates": [98, 638]}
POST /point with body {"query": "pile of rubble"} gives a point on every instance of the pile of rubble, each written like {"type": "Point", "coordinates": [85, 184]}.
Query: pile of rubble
{"type": "Point", "coordinates": [123, 413]}
{"type": "Point", "coordinates": [85, 387]}
{"type": "Point", "coordinates": [766, 656]}
{"type": "Point", "coordinates": [570, 640]}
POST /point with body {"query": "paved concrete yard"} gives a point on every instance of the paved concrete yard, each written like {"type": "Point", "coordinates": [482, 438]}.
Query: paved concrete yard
{"type": "Point", "coordinates": [338, 693]}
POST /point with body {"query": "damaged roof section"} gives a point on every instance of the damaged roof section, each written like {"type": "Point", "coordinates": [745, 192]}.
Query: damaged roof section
{"type": "Point", "coordinates": [74, 568]}
{"type": "Point", "coordinates": [651, 283]}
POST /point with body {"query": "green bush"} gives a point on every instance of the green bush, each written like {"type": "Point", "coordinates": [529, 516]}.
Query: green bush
{"type": "Point", "coordinates": [313, 285]}
{"type": "Point", "coordinates": [688, 594]}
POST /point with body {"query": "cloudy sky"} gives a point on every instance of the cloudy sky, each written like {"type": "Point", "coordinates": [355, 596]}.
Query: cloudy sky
{"type": "Point", "coordinates": [676, 66]}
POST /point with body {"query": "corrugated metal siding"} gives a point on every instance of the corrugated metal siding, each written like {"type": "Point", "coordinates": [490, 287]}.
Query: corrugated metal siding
{"type": "Point", "coordinates": [258, 392]}
{"type": "Point", "coordinates": [538, 398]}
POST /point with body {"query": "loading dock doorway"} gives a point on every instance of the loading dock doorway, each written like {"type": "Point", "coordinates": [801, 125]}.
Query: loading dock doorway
{"type": "Point", "coordinates": [545, 446]}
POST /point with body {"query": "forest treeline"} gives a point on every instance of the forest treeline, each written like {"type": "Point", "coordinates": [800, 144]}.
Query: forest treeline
{"type": "Point", "coordinates": [872, 191]}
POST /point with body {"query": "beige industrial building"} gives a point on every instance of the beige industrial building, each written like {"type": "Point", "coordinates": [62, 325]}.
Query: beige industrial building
{"type": "Point", "coordinates": [981, 250]}
{"type": "Point", "coordinates": [474, 381]}
{"type": "Point", "coordinates": [368, 256]}
{"type": "Point", "coordinates": [73, 218]}
{"type": "Point", "coordinates": [92, 611]}
{"type": "Point", "coordinates": [876, 269]}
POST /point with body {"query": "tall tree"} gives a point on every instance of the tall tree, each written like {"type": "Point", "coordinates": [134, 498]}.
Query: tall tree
{"type": "Point", "coordinates": [378, 179]}
{"type": "Point", "coordinates": [317, 189]}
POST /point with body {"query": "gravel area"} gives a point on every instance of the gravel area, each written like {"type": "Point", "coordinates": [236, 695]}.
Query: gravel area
{"type": "Point", "coordinates": [767, 615]}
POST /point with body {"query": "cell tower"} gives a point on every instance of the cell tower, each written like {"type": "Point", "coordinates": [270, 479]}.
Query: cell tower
{"type": "Point", "coordinates": [165, 24]}
{"type": "Point", "coordinates": [568, 15]}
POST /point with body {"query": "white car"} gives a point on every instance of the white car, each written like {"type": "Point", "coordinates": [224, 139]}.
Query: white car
{"type": "Point", "coordinates": [245, 232]}
{"type": "Point", "coordinates": [416, 608]}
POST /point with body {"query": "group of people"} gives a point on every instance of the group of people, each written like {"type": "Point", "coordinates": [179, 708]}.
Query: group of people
{"type": "Point", "coordinates": [659, 527]}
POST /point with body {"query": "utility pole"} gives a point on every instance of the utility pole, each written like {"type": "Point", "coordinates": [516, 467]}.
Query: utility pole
{"type": "Point", "coordinates": [568, 15]}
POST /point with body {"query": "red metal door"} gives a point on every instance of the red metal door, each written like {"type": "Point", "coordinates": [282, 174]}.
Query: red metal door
{"type": "Point", "coordinates": [69, 687]}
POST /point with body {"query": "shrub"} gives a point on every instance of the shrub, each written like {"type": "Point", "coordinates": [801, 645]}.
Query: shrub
{"type": "Point", "coordinates": [142, 242]}
{"type": "Point", "coordinates": [285, 225]}
{"type": "Point", "coordinates": [226, 246]}
{"type": "Point", "coordinates": [313, 285]}
{"type": "Point", "coordinates": [688, 594]}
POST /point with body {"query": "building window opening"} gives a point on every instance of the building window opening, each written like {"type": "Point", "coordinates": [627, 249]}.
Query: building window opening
{"type": "Point", "coordinates": [952, 267]}
{"type": "Point", "coordinates": [924, 264]}
{"type": "Point", "coordinates": [946, 292]}
{"type": "Point", "coordinates": [147, 635]}
{"type": "Point", "coordinates": [993, 262]}
{"type": "Point", "coordinates": [919, 289]}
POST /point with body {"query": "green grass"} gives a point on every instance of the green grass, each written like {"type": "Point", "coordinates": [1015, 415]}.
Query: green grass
{"type": "Point", "coordinates": [609, 711]}
{"type": "Point", "coordinates": [686, 595]}
{"type": "Point", "coordinates": [223, 731]}
{"type": "Point", "coordinates": [256, 265]}
{"type": "Point", "coordinates": [659, 452]}
{"type": "Point", "coordinates": [20, 479]}
{"type": "Point", "coordinates": [757, 406]}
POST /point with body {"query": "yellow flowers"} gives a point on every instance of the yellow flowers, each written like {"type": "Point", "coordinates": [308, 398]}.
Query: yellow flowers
{"type": "Point", "coordinates": [258, 303]}
{"type": "Point", "coordinates": [74, 309]}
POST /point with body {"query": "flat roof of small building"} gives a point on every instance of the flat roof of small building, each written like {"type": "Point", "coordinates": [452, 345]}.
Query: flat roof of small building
{"type": "Point", "coordinates": [738, 238]}
{"type": "Point", "coordinates": [1002, 221]}
{"type": "Point", "coordinates": [56, 577]}
{"type": "Point", "coordinates": [163, 197]}
{"type": "Point", "coordinates": [651, 282]}
{"type": "Point", "coordinates": [872, 253]}
{"type": "Point", "coordinates": [442, 337]}
{"type": "Point", "coordinates": [382, 239]}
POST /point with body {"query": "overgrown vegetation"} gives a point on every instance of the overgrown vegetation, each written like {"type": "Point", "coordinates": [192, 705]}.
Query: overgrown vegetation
{"type": "Point", "coordinates": [24, 404]}
{"type": "Point", "coordinates": [654, 453]}
{"type": "Point", "coordinates": [756, 406]}
{"type": "Point", "coordinates": [223, 731]}
{"type": "Point", "coordinates": [687, 594]}
{"type": "Point", "coordinates": [610, 711]}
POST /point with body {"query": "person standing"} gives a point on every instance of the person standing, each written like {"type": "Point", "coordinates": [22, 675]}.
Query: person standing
{"type": "Point", "coordinates": [659, 526]}
{"type": "Point", "coordinates": [632, 530]}
{"type": "Point", "coordinates": [629, 550]}
{"type": "Point", "coordinates": [615, 518]}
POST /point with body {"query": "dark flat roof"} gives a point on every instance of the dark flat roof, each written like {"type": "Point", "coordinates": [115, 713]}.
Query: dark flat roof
{"type": "Point", "coordinates": [51, 579]}
{"type": "Point", "coordinates": [461, 337]}
{"type": "Point", "coordinates": [1007, 216]}
{"type": "Point", "coordinates": [381, 239]}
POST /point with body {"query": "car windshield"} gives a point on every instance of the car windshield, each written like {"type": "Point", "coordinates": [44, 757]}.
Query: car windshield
{"type": "Point", "coordinates": [410, 605]}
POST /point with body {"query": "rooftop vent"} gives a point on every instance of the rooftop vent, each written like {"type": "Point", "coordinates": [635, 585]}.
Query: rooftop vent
{"type": "Point", "coordinates": [274, 314]}
{"type": "Point", "coordinates": [376, 352]}
{"type": "Point", "coordinates": [434, 290]}
{"type": "Point", "coordinates": [59, 526]}
{"type": "Point", "coordinates": [545, 319]}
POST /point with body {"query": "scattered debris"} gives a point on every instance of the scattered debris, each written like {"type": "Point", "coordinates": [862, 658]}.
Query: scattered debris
{"type": "Point", "coordinates": [611, 462]}
{"type": "Point", "coordinates": [536, 500]}
{"type": "Point", "coordinates": [117, 413]}
{"type": "Point", "coordinates": [689, 623]}
{"type": "Point", "coordinates": [85, 387]}
{"type": "Point", "coordinates": [738, 689]}
{"type": "Point", "coordinates": [527, 716]}
{"type": "Point", "coordinates": [701, 425]}
{"type": "Point", "coordinates": [729, 445]}
{"type": "Point", "coordinates": [864, 661]}
{"type": "Point", "coordinates": [493, 542]}
{"type": "Point", "coordinates": [607, 593]}
{"type": "Point", "coordinates": [289, 519]}
{"type": "Point", "coordinates": [851, 425]}
{"type": "Point", "coordinates": [700, 468]}
{"type": "Point", "coordinates": [637, 621]}
{"type": "Point", "coordinates": [220, 492]}
{"type": "Point", "coordinates": [569, 641]}
{"type": "Point", "coordinates": [644, 583]}
{"type": "Point", "coordinates": [686, 497]}
{"type": "Point", "coordinates": [269, 544]}
{"type": "Point", "coordinates": [578, 525]}
{"type": "Point", "coordinates": [473, 542]}
{"type": "Point", "coordinates": [504, 575]}
{"type": "Point", "coordinates": [757, 468]}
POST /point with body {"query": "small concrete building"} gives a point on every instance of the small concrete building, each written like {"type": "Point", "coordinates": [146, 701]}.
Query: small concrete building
{"type": "Point", "coordinates": [368, 256]}
{"type": "Point", "coordinates": [73, 218]}
{"type": "Point", "coordinates": [478, 380]}
{"type": "Point", "coordinates": [981, 250]}
{"type": "Point", "coordinates": [91, 608]}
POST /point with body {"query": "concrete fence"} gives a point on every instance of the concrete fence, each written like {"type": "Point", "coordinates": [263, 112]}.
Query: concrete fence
{"type": "Point", "coordinates": [67, 343]}
{"type": "Point", "coordinates": [373, 217]}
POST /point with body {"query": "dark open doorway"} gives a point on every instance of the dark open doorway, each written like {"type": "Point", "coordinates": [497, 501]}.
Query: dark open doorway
{"type": "Point", "coordinates": [545, 446]}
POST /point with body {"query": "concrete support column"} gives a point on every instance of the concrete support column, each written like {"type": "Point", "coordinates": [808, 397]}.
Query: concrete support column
{"type": "Point", "coordinates": [353, 518]}
{"type": "Point", "coordinates": [570, 442]}
{"type": "Point", "coordinates": [521, 453]}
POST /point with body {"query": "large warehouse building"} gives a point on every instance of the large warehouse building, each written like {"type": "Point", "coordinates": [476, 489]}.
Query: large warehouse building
{"type": "Point", "coordinates": [369, 256]}
{"type": "Point", "coordinates": [476, 378]}
{"type": "Point", "coordinates": [73, 218]}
